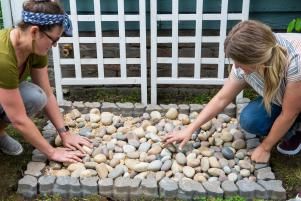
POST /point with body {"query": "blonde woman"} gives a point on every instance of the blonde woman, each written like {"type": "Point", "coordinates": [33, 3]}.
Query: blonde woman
{"type": "Point", "coordinates": [271, 65]}
{"type": "Point", "coordinates": [23, 53]}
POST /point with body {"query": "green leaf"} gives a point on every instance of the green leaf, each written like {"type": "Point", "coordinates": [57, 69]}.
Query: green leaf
{"type": "Point", "coordinates": [291, 26]}
{"type": "Point", "coordinates": [298, 25]}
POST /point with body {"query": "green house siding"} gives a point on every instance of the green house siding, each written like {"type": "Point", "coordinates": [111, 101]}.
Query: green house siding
{"type": "Point", "coordinates": [276, 13]}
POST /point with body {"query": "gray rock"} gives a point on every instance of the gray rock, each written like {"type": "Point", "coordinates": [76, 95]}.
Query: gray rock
{"type": "Point", "coordinates": [86, 132]}
{"type": "Point", "coordinates": [228, 153]}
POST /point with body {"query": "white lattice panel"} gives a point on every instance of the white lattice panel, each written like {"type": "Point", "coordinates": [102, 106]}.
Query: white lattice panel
{"type": "Point", "coordinates": [198, 39]}
{"type": "Point", "coordinates": [121, 18]}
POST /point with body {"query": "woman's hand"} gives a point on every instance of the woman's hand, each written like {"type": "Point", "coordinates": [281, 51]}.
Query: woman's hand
{"type": "Point", "coordinates": [75, 142]}
{"type": "Point", "coordinates": [182, 136]}
{"type": "Point", "coordinates": [260, 155]}
{"type": "Point", "coordinates": [66, 155]}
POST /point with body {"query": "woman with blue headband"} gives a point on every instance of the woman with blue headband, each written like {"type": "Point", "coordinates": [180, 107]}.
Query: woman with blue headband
{"type": "Point", "coordinates": [23, 53]}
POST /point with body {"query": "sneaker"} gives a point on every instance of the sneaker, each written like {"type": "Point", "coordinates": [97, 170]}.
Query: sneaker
{"type": "Point", "coordinates": [10, 146]}
{"type": "Point", "coordinates": [291, 146]}
{"type": "Point", "coordinates": [298, 197]}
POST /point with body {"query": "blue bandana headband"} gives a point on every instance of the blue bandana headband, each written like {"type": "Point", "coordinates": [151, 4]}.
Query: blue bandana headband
{"type": "Point", "coordinates": [48, 19]}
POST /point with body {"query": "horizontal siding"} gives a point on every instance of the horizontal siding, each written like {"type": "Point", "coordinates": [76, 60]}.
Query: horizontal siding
{"type": "Point", "coordinates": [276, 13]}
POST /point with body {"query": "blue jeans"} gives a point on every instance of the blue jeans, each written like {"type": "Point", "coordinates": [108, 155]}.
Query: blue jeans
{"type": "Point", "coordinates": [34, 99]}
{"type": "Point", "coordinates": [254, 118]}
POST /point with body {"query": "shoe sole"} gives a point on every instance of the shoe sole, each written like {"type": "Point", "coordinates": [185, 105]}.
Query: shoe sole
{"type": "Point", "coordinates": [13, 153]}
{"type": "Point", "coordinates": [291, 153]}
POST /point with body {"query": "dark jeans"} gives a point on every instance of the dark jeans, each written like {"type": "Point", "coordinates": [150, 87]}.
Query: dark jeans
{"type": "Point", "coordinates": [34, 99]}
{"type": "Point", "coordinates": [254, 118]}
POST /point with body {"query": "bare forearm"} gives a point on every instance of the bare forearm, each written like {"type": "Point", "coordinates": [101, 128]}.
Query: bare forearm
{"type": "Point", "coordinates": [53, 113]}
{"type": "Point", "coordinates": [32, 135]}
{"type": "Point", "coordinates": [280, 127]}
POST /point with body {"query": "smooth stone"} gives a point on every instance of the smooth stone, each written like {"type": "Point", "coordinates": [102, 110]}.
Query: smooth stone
{"type": "Point", "coordinates": [227, 153]}
{"type": "Point", "coordinates": [188, 171]}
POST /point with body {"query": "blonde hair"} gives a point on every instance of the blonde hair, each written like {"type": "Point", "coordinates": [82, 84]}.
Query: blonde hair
{"type": "Point", "coordinates": [253, 43]}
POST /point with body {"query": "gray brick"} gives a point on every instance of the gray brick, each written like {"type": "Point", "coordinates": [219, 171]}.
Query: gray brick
{"type": "Point", "coordinates": [62, 186]}
{"type": "Point", "coordinates": [46, 184]}
{"type": "Point", "coordinates": [91, 105]}
{"type": "Point", "coordinates": [198, 189]}
{"type": "Point", "coordinates": [139, 109]}
{"type": "Point", "coordinates": [126, 109]}
{"type": "Point", "coordinates": [168, 188]}
{"type": "Point", "coordinates": [89, 186]}
{"type": "Point", "coordinates": [106, 187]}
{"type": "Point", "coordinates": [121, 188]}
{"type": "Point", "coordinates": [184, 109]}
{"type": "Point", "coordinates": [264, 173]}
{"type": "Point", "coordinates": [250, 189]}
{"type": "Point", "coordinates": [28, 186]}
{"type": "Point", "coordinates": [75, 188]}
{"type": "Point", "coordinates": [110, 107]}
{"type": "Point", "coordinates": [38, 156]}
{"type": "Point", "coordinates": [35, 168]}
{"type": "Point", "coordinates": [149, 188]}
{"type": "Point", "coordinates": [213, 188]}
{"type": "Point", "coordinates": [164, 108]}
{"type": "Point", "coordinates": [196, 107]}
{"type": "Point", "coordinates": [229, 188]}
{"type": "Point", "coordinates": [242, 101]}
{"type": "Point", "coordinates": [149, 108]}
{"type": "Point", "coordinates": [66, 105]}
{"type": "Point", "coordinates": [185, 191]}
{"type": "Point", "coordinates": [135, 190]}
{"type": "Point", "coordinates": [80, 106]}
{"type": "Point", "coordinates": [274, 189]}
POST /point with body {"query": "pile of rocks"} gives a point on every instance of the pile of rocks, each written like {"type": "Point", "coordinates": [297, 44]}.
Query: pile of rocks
{"type": "Point", "coordinates": [129, 159]}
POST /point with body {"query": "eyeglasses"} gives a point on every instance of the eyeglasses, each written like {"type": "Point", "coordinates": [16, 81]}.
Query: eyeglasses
{"type": "Point", "coordinates": [54, 41]}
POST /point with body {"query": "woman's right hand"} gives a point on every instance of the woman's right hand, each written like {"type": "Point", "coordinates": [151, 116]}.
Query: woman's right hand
{"type": "Point", "coordinates": [182, 137]}
{"type": "Point", "coordinates": [66, 155]}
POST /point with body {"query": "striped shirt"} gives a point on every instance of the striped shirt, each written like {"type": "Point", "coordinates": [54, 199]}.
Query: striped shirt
{"type": "Point", "coordinates": [292, 71]}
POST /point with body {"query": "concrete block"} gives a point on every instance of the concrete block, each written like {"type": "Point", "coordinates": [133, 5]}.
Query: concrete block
{"type": "Point", "coordinates": [250, 190]}
{"type": "Point", "coordinates": [185, 191]}
{"type": "Point", "coordinates": [149, 188]}
{"type": "Point", "coordinates": [168, 188]}
{"type": "Point", "coordinates": [213, 188]}
{"type": "Point", "coordinates": [35, 168]}
{"type": "Point", "coordinates": [121, 189]}
{"type": "Point", "coordinates": [264, 174]}
{"type": "Point", "coordinates": [110, 107]}
{"type": "Point", "coordinates": [126, 109]}
{"type": "Point", "coordinates": [139, 109]}
{"type": "Point", "coordinates": [28, 186]}
{"type": "Point", "coordinates": [274, 189]}
{"type": "Point", "coordinates": [89, 186]}
{"type": "Point", "coordinates": [46, 184]}
{"type": "Point", "coordinates": [62, 186]}
{"type": "Point", "coordinates": [196, 108]}
{"type": "Point", "coordinates": [230, 110]}
{"type": "Point", "coordinates": [105, 187]}
{"type": "Point", "coordinates": [75, 187]}
{"type": "Point", "coordinates": [80, 106]}
{"type": "Point", "coordinates": [66, 105]}
{"type": "Point", "coordinates": [184, 109]}
{"type": "Point", "coordinates": [229, 188]}
{"type": "Point", "coordinates": [38, 156]}
{"type": "Point", "coordinates": [135, 190]}
{"type": "Point", "coordinates": [149, 108]}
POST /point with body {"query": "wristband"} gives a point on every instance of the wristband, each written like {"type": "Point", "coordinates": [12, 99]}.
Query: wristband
{"type": "Point", "coordinates": [63, 129]}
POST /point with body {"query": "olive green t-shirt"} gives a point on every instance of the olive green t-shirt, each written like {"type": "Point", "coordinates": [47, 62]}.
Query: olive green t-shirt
{"type": "Point", "coordinates": [10, 75]}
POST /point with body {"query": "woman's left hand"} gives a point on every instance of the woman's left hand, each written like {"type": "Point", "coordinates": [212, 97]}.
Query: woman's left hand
{"type": "Point", "coordinates": [260, 155]}
{"type": "Point", "coordinates": [75, 142]}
